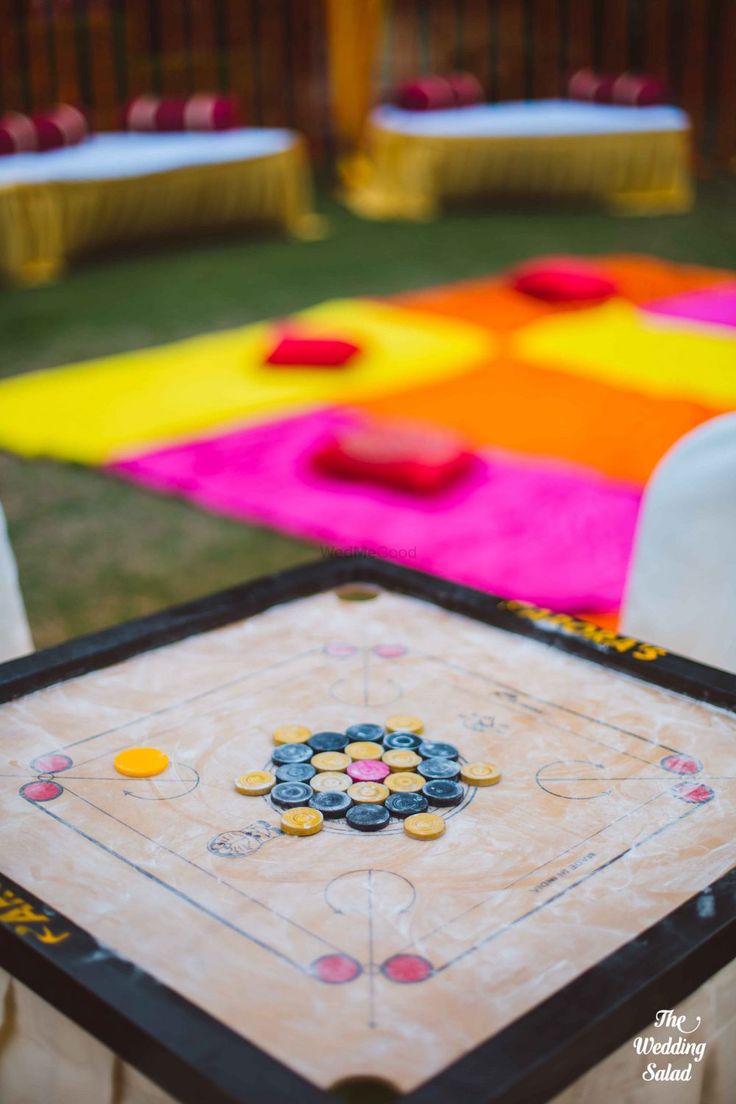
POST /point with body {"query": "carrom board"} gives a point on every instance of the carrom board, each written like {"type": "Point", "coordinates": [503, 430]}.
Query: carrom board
{"type": "Point", "coordinates": [229, 962]}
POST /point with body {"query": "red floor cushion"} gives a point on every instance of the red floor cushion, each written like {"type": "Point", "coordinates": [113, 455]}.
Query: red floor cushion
{"type": "Point", "coordinates": [563, 280]}
{"type": "Point", "coordinates": [318, 352]}
{"type": "Point", "coordinates": [418, 458]}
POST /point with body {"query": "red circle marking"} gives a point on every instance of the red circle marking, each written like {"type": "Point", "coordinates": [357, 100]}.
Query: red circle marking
{"type": "Point", "coordinates": [41, 791]}
{"type": "Point", "coordinates": [339, 650]}
{"type": "Point", "coordinates": [368, 770]}
{"type": "Point", "coordinates": [336, 969]}
{"type": "Point", "coordinates": [681, 764]}
{"type": "Point", "coordinates": [407, 968]}
{"type": "Point", "coordinates": [389, 651]}
{"type": "Point", "coordinates": [51, 763]}
{"type": "Point", "coordinates": [697, 793]}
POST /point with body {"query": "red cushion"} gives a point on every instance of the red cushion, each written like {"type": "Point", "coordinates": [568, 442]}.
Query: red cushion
{"type": "Point", "coordinates": [425, 94]}
{"type": "Point", "coordinates": [204, 111]}
{"type": "Point", "coordinates": [63, 126]}
{"type": "Point", "coordinates": [17, 133]}
{"type": "Point", "coordinates": [417, 458]}
{"type": "Point", "coordinates": [563, 280]}
{"type": "Point", "coordinates": [639, 90]}
{"type": "Point", "coordinates": [319, 352]}
{"type": "Point", "coordinates": [591, 86]}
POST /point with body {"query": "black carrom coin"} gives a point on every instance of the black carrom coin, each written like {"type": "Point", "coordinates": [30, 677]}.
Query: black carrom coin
{"type": "Point", "coordinates": [290, 795]}
{"type": "Point", "coordinates": [328, 741]}
{"type": "Point", "coordinates": [406, 804]}
{"type": "Point", "coordinates": [368, 818]}
{"type": "Point", "coordinates": [295, 772]}
{"type": "Point", "coordinates": [332, 803]}
{"type": "Point", "coordinates": [407, 741]}
{"type": "Point", "coordinates": [431, 749]}
{"type": "Point", "coordinates": [439, 767]}
{"type": "Point", "coordinates": [443, 791]}
{"type": "Point", "coordinates": [372, 733]}
{"type": "Point", "coordinates": [291, 753]}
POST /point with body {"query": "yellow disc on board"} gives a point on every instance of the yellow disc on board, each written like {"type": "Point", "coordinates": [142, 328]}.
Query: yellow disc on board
{"type": "Point", "coordinates": [480, 774]}
{"type": "Point", "coordinates": [405, 722]}
{"type": "Point", "coordinates": [291, 734]}
{"type": "Point", "coordinates": [368, 793]}
{"type": "Point", "coordinates": [255, 783]}
{"type": "Point", "coordinates": [141, 762]}
{"type": "Point", "coordinates": [330, 761]}
{"type": "Point", "coordinates": [330, 781]}
{"type": "Point", "coordinates": [364, 749]}
{"type": "Point", "coordinates": [401, 759]}
{"type": "Point", "coordinates": [405, 782]}
{"type": "Point", "coordinates": [424, 826]}
{"type": "Point", "coordinates": [302, 821]}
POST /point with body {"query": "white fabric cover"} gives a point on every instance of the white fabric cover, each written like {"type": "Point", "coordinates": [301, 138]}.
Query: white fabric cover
{"type": "Point", "coordinates": [111, 156]}
{"type": "Point", "coordinates": [530, 119]}
{"type": "Point", "coordinates": [15, 636]}
{"type": "Point", "coordinates": [681, 591]}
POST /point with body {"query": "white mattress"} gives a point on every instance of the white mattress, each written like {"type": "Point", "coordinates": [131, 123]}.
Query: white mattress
{"type": "Point", "coordinates": [534, 119]}
{"type": "Point", "coordinates": [111, 156]}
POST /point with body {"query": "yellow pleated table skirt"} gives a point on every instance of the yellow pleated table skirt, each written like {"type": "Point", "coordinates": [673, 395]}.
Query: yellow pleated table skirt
{"type": "Point", "coordinates": [44, 225]}
{"type": "Point", "coordinates": [411, 176]}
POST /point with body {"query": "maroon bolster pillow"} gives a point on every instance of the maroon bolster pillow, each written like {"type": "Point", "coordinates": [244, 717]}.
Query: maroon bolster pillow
{"type": "Point", "coordinates": [591, 86]}
{"type": "Point", "coordinates": [64, 126]}
{"type": "Point", "coordinates": [466, 89]}
{"type": "Point", "coordinates": [639, 90]}
{"type": "Point", "coordinates": [204, 111]}
{"type": "Point", "coordinates": [17, 133]}
{"type": "Point", "coordinates": [425, 94]}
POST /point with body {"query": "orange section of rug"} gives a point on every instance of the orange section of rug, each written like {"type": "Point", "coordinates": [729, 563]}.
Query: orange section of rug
{"type": "Point", "coordinates": [493, 303]}
{"type": "Point", "coordinates": [544, 412]}
{"type": "Point", "coordinates": [643, 279]}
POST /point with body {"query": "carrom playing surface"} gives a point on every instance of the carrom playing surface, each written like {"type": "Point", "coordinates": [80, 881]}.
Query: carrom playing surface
{"type": "Point", "coordinates": [348, 954]}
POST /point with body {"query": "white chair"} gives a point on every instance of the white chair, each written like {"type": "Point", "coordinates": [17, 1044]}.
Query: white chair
{"type": "Point", "coordinates": [15, 636]}
{"type": "Point", "coordinates": [681, 591]}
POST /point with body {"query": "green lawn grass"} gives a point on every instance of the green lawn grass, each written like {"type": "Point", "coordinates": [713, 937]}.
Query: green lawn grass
{"type": "Point", "coordinates": [92, 550]}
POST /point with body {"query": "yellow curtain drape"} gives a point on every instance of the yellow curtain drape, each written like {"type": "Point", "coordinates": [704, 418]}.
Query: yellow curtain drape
{"type": "Point", "coordinates": [354, 29]}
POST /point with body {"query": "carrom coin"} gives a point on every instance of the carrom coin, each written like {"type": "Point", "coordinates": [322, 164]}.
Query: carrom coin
{"type": "Point", "coordinates": [368, 818]}
{"type": "Point", "coordinates": [444, 792]}
{"type": "Point", "coordinates": [374, 733]}
{"type": "Point", "coordinates": [333, 761]}
{"type": "Point", "coordinates": [364, 749]}
{"type": "Point", "coordinates": [430, 749]}
{"type": "Point", "coordinates": [291, 734]}
{"type": "Point", "coordinates": [330, 781]}
{"type": "Point", "coordinates": [405, 722]}
{"type": "Point", "coordinates": [301, 821]}
{"type": "Point", "coordinates": [480, 774]}
{"type": "Point", "coordinates": [332, 803]}
{"type": "Point", "coordinates": [401, 759]}
{"type": "Point", "coordinates": [255, 783]}
{"type": "Point", "coordinates": [368, 793]}
{"type": "Point", "coordinates": [405, 782]}
{"type": "Point", "coordinates": [439, 767]}
{"type": "Point", "coordinates": [290, 795]}
{"type": "Point", "coordinates": [424, 826]}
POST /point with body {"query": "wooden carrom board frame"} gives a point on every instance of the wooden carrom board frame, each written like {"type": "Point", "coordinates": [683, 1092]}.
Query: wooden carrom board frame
{"type": "Point", "coordinates": [195, 1057]}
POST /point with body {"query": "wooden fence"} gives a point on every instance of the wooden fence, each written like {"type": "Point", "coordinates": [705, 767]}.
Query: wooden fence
{"type": "Point", "coordinates": [271, 53]}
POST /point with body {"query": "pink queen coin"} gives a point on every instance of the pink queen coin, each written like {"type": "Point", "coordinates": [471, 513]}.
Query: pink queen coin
{"type": "Point", "coordinates": [368, 770]}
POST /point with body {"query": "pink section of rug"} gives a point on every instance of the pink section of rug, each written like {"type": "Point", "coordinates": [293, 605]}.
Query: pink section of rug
{"type": "Point", "coordinates": [713, 306]}
{"type": "Point", "coordinates": [552, 534]}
